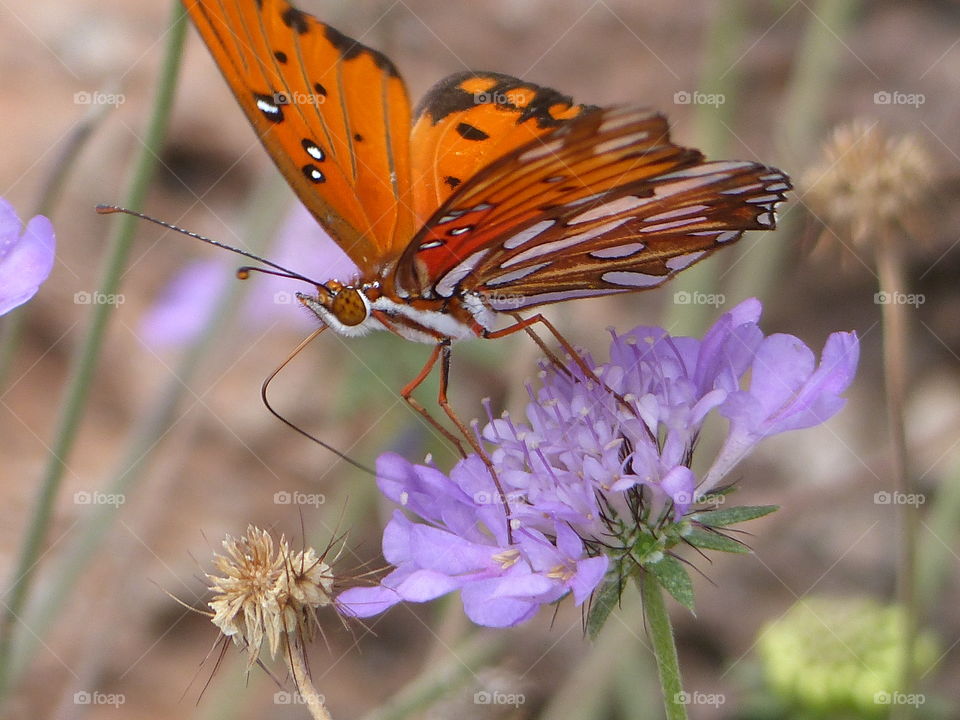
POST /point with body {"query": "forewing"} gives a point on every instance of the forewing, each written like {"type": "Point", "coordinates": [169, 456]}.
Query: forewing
{"type": "Point", "coordinates": [333, 114]}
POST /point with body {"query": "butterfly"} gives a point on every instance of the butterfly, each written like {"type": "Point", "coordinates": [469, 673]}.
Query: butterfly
{"type": "Point", "coordinates": [493, 196]}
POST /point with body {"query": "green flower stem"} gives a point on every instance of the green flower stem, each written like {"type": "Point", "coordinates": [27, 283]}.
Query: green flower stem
{"type": "Point", "coordinates": [664, 648]}
{"type": "Point", "coordinates": [265, 210]}
{"type": "Point", "coordinates": [895, 368]}
{"type": "Point", "coordinates": [759, 266]}
{"type": "Point", "coordinates": [85, 359]}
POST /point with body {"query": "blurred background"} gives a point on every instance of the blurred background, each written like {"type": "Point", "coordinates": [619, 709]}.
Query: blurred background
{"type": "Point", "coordinates": [176, 449]}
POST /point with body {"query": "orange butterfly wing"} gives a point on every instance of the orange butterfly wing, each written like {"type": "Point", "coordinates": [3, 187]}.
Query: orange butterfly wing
{"type": "Point", "coordinates": [333, 114]}
{"type": "Point", "coordinates": [604, 203]}
{"type": "Point", "coordinates": [468, 120]}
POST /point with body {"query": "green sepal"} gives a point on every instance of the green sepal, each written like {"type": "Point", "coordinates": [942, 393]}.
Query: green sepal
{"type": "Point", "coordinates": [672, 576]}
{"type": "Point", "coordinates": [732, 516]}
{"type": "Point", "coordinates": [605, 599]}
{"type": "Point", "coordinates": [707, 540]}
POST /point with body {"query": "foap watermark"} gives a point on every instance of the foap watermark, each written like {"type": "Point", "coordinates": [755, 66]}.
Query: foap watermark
{"type": "Point", "coordinates": [84, 697]}
{"type": "Point", "coordinates": [899, 698]}
{"type": "Point", "coordinates": [86, 497]}
{"type": "Point", "coordinates": [516, 98]}
{"type": "Point", "coordinates": [298, 98]}
{"type": "Point", "coordinates": [885, 297]}
{"type": "Point", "coordinates": [85, 97]}
{"type": "Point", "coordinates": [885, 497]}
{"type": "Point", "coordinates": [684, 97]}
{"type": "Point", "coordinates": [685, 297]}
{"type": "Point", "coordinates": [896, 97]}
{"type": "Point", "coordinates": [98, 298]}
{"type": "Point", "coordinates": [700, 499]}
{"type": "Point", "coordinates": [282, 697]}
{"type": "Point", "coordinates": [502, 300]}
{"type": "Point", "coordinates": [486, 697]}
{"type": "Point", "coordinates": [494, 498]}
{"type": "Point", "coordinates": [285, 497]}
{"type": "Point", "coordinates": [700, 698]}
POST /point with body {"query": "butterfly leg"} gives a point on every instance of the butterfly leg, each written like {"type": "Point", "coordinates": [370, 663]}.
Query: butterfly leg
{"type": "Point", "coordinates": [442, 352]}
{"type": "Point", "coordinates": [525, 324]}
{"type": "Point", "coordinates": [407, 394]}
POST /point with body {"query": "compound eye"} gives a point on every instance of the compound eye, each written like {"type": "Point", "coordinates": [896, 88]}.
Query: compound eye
{"type": "Point", "coordinates": [348, 307]}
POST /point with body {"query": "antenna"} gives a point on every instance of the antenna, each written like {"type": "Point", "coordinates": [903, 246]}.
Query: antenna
{"type": "Point", "coordinates": [111, 209]}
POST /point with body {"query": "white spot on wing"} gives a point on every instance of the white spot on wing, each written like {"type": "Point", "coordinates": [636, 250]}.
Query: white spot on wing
{"type": "Point", "coordinates": [448, 282]}
{"type": "Point", "coordinates": [618, 251]}
{"type": "Point", "coordinates": [516, 274]}
{"type": "Point", "coordinates": [543, 151]}
{"type": "Point", "coordinates": [679, 212]}
{"type": "Point", "coordinates": [672, 225]}
{"type": "Point", "coordinates": [711, 168]}
{"type": "Point", "coordinates": [268, 108]}
{"type": "Point", "coordinates": [619, 142]}
{"type": "Point", "coordinates": [632, 279]}
{"type": "Point", "coordinates": [563, 243]}
{"type": "Point", "coordinates": [614, 207]}
{"type": "Point", "coordinates": [728, 236]}
{"type": "Point", "coordinates": [513, 304]}
{"type": "Point", "coordinates": [525, 235]}
{"type": "Point", "coordinates": [742, 189]}
{"type": "Point", "coordinates": [684, 261]}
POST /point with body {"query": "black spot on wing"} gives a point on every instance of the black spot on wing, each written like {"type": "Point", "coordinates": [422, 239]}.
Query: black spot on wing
{"type": "Point", "coordinates": [296, 20]}
{"type": "Point", "coordinates": [452, 181]}
{"type": "Point", "coordinates": [448, 97]}
{"type": "Point", "coordinates": [313, 174]}
{"type": "Point", "coordinates": [469, 132]}
{"type": "Point", "coordinates": [281, 57]}
{"type": "Point", "coordinates": [270, 106]}
{"type": "Point", "coordinates": [319, 89]}
{"type": "Point", "coordinates": [350, 49]}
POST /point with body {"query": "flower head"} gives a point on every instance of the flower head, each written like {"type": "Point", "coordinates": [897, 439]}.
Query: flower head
{"type": "Point", "coordinates": [867, 180]}
{"type": "Point", "coordinates": [26, 256]}
{"type": "Point", "coordinates": [265, 593]}
{"type": "Point", "coordinates": [600, 475]}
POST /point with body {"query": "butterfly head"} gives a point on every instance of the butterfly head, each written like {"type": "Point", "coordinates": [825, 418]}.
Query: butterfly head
{"type": "Point", "coordinates": [345, 308]}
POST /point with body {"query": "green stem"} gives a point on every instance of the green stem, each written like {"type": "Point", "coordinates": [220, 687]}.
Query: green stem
{"type": "Point", "coordinates": [265, 209]}
{"type": "Point", "coordinates": [85, 359]}
{"type": "Point", "coordinates": [890, 268]}
{"type": "Point", "coordinates": [664, 648]}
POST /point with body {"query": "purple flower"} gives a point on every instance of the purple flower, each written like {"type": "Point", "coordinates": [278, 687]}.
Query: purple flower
{"type": "Point", "coordinates": [26, 256]}
{"type": "Point", "coordinates": [462, 545]}
{"type": "Point", "coordinates": [191, 298]}
{"type": "Point", "coordinates": [599, 478]}
{"type": "Point", "coordinates": [582, 449]}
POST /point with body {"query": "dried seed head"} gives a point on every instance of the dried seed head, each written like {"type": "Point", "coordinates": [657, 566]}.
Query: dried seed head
{"type": "Point", "coordinates": [867, 180]}
{"type": "Point", "coordinates": [265, 593]}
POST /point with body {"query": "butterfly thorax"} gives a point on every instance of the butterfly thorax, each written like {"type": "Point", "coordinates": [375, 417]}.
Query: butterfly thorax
{"type": "Point", "coordinates": [359, 308]}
